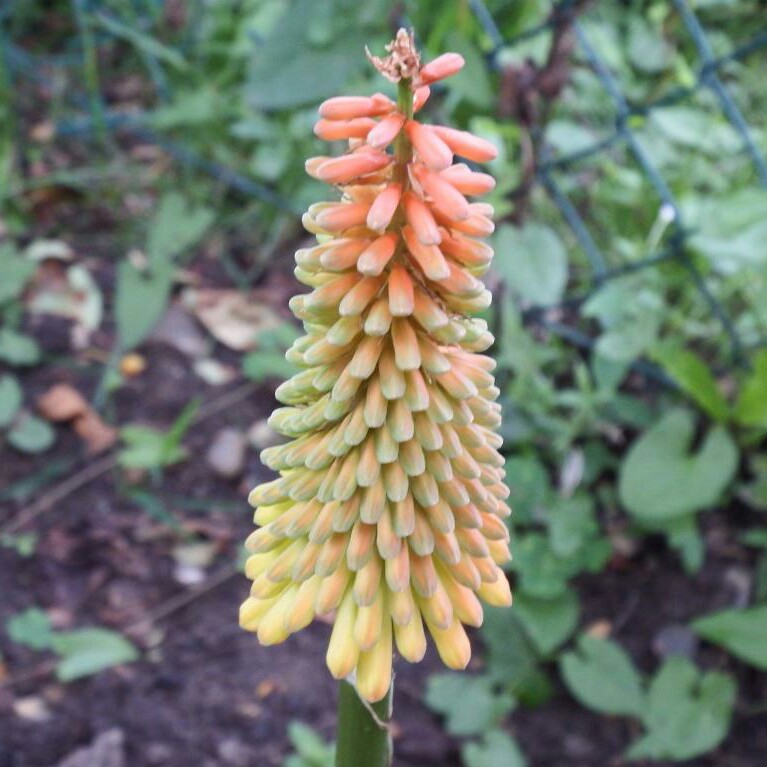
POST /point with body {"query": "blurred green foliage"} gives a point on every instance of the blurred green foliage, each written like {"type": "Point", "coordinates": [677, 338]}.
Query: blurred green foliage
{"type": "Point", "coordinates": [230, 91]}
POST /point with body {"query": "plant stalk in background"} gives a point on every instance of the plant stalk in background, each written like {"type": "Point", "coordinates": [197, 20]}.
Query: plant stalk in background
{"type": "Point", "coordinates": [389, 505]}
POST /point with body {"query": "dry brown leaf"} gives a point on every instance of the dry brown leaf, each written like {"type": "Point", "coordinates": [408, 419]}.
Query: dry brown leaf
{"type": "Point", "coordinates": [62, 403]}
{"type": "Point", "coordinates": [96, 434]}
{"type": "Point", "coordinates": [234, 318]}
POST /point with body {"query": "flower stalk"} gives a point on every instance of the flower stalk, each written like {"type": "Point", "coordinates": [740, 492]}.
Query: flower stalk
{"type": "Point", "coordinates": [363, 738]}
{"type": "Point", "coordinates": [387, 512]}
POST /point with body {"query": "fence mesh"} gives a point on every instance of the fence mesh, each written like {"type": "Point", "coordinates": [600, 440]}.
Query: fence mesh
{"type": "Point", "coordinates": [96, 26]}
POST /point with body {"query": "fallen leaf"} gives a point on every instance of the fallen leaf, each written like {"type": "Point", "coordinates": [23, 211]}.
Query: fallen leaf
{"type": "Point", "coordinates": [64, 291]}
{"type": "Point", "coordinates": [63, 403]}
{"type": "Point", "coordinates": [96, 434]}
{"type": "Point", "coordinates": [234, 318]}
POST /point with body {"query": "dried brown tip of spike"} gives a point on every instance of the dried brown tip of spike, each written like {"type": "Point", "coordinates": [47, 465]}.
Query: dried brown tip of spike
{"type": "Point", "coordinates": [403, 61]}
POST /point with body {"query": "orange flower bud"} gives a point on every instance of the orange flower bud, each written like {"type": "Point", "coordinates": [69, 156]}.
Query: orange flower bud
{"type": "Point", "coordinates": [443, 66]}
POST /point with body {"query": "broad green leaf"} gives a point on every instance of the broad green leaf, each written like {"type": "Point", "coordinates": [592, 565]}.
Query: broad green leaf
{"type": "Point", "coordinates": [647, 50]}
{"type": "Point", "coordinates": [472, 83]}
{"type": "Point", "coordinates": [567, 136]}
{"type": "Point", "coordinates": [30, 434]}
{"type": "Point", "coordinates": [687, 714]}
{"type": "Point", "coordinates": [31, 628]}
{"type": "Point", "coordinates": [693, 377]}
{"type": "Point", "coordinates": [532, 261]}
{"type": "Point", "coordinates": [602, 677]}
{"type": "Point", "coordinates": [469, 703]}
{"type": "Point", "coordinates": [18, 349]}
{"type": "Point", "coordinates": [660, 479]}
{"type": "Point", "coordinates": [751, 407]}
{"type": "Point", "coordinates": [496, 749]}
{"type": "Point", "coordinates": [15, 272]}
{"type": "Point", "coordinates": [630, 310]}
{"type": "Point", "coordinates": [572, 523]}
{"type": "Point", "coordinates": [742, 632]}
{"type": "Point", "coordinates": [531, 486]}
{"type": "Point", "coordinates": [140, 301]}
{"type": "Point", "coordinates": [175, 227]}
{"type": "Point", "coordinates": [310, 37]}
{"type": "Point", "coordinates": [729, 230]}
{"type": "Point", "coordinates": [87, 651]}
{"type": "Point", "coordinates": [511, 657]}
{"type": "Point", "coordinates": [542, 574]}
{"type": "Point", "coordinates": [10, 399]}
{"type": "Point", "coordinates": [548, 622]}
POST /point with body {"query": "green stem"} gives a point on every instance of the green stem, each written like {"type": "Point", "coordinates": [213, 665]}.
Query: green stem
{"type": "Point", "coordinates": [402, 149]}
{"type": "Point", "coordinates": [363, 736]}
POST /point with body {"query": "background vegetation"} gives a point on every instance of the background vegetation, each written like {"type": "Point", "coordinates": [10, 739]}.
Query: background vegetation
{"type": "Point", "coordinates": [151, 184]}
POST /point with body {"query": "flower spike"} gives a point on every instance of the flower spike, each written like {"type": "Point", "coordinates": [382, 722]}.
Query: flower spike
{"type": "Point", "coordinates": [387, 512]}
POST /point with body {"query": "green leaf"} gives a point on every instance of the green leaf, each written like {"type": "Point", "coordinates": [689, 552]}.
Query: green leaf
{"type": "Point", "coordinates": [542, 574]}
{"type": "Point", "coordinates": [630, 312]}
{"type": "Point", "coordinates": [30, 434]}
{"type": "Point", "coordinates": [532, 262]}
{"type": "Point", "coordinates": [268, 361]}
{"type": "Point", "coordinates": [18, 349]}
{"type": "Point", "coordinates": [693, 377]}
{"type": "Point", "coordinates": [742, 632]}
{"type": "Point", "coordinates": [687, 714]}
{"type": "Point", "coordinates": [87, 651]}
{"type": "Point", "coordinates": [10, 399]}
{"type": "Point", "coordinates": [472, 83]}
{"type": "Point", "coordinates": [572, 523]}
{"type": "Point", "coordinates": [283, 69]}
{"type": "Point", "coordinates": [31, 628]}
{"type": "Point", "coordinates": [660, 479]}
{"type": "Point", "coordinates": [530, 480]}
{"type": "Point", "coordinates": [147, 448]}
{"type": "Point", "coordinates": [496, 749]}
{"type": "Point", "coordinates": [647, 50]}
{"type": "Point", "coordinates": [175, 227]}
{"type": "Point", "coordinates": [684, 536]}
{"type": "Point", "coordinates": [142, 42]}
{"type": "Point", "coordinates": [469, 703]}
{"type": "Point", "coordinates": [548, 622]}
{"type": "Point", "coordinates": [140, 301]}
{"type": "Point", "coordinates": [310, 747]}
{"type": "Point", "coordinates": [751, 407]}
{"type": "Point", "coordinates": [191, 108]}
{"type": "Point", "coordinates": [511, 657]}
{"type": "Point", "coordinates": [602, 677]}
{"type": "Point", "coordinates": [15, 272]}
